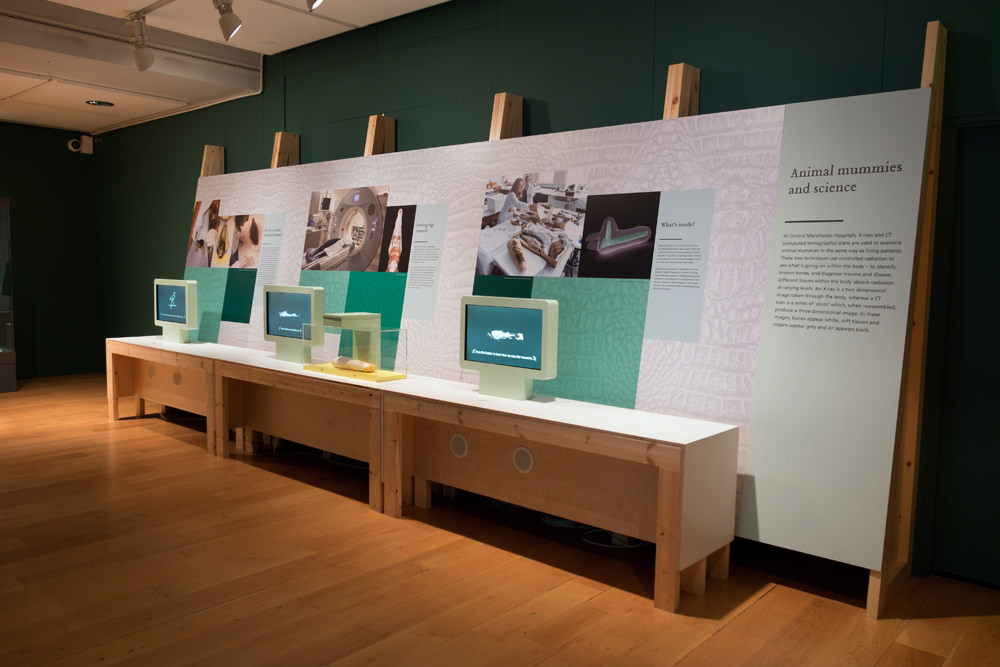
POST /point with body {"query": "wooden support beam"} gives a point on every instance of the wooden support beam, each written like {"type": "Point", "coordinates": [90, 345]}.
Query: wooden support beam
{"type": "Point", "coordinates": [896, 555]}
{"type": "Point", "coordinates": [693, 577]}
{"type": "Point", "coordinates": [507, 120]}
{"type": "Point", "coordinates": [381, 135]}
{"type": "Point", "coordinates": [286, 150]}
{"type": "Point", "coordinates": [718, 563]}
{"type": "Point", "coordinates": [683, 88]}
{"type": "Point", "coordinates": [667, 579]}
{"type": "Point", "coordinates": [213, 161]}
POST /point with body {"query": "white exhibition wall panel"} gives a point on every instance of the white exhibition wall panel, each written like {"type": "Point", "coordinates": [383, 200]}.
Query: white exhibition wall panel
{"type": "Point", "coordinates": [713, 335]}
{"type": "Point", "coordinates": [835, 319]}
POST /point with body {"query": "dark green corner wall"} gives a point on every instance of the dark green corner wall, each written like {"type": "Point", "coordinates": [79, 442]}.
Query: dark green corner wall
{"type": "Point", "coordinates": [54, 246]}
{"type": "Point", "coordinates": [99, 229]}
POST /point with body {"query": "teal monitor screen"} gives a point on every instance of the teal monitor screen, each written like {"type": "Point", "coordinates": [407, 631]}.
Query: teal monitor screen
{"type": "Point", "coordinates": [504, 335]}
{"type": "Point", "coordinates": [511, 342]}
{"type": "Point", "coordinates": [287, 312]}
{"type": "Point", "coordinates": [171, 303]}
{"type": "Point", "coordinates": [293, 320]}
{"type": "Point", "coordinates": [175, 308]}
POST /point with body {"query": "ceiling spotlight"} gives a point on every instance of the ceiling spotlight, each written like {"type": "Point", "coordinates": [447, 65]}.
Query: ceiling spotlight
{"type": "Point", "coordinates": [228, 21]}
{"type": "Point", "coordinates": [137, 34]}
{"type": "Point", "coordinates": [313, 4]}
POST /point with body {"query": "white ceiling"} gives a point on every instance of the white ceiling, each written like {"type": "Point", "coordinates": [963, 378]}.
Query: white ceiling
{"type": "Point", "coordinates": [55, 56]}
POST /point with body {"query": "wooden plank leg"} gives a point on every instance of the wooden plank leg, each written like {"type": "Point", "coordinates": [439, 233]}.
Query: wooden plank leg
{"type": "Point", "coordinates": [110, 361]}
{"type": "Point", "coordinates": [422, 493]}
{"type": "Point", "coordinates": [693, 577]}
{"type": "Point", "coordinates": [392, 465]}
{"type": "Point", "coordinates": [140, 407]}
{"type": "Point", "coordinates": [667, 579]}
{"type": "Point", "coordinates": [405, 425]}
{"type": "Point", "coordinates": [718, 563]}
{"type": "Point", "coordinates": [376, 499]}
{"type": "Point", "coordinates": [240, 439]}
{"type": "Point", "coordinates": [217, 420]}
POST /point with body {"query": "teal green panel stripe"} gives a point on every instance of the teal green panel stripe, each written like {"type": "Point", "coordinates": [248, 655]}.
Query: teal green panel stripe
{"type": "Point", "coordinates": [601, 325]}
{"type": "Point", "coordinates": [376, 292]}
{"type": "Point", "coordinates": [211, 296]}
{"type": "Point", "coordinates": [510, 286]}
{"type": "Point", "coordinates": [334, 284]}
{"type": "Point", "coordinates": [239, 295]}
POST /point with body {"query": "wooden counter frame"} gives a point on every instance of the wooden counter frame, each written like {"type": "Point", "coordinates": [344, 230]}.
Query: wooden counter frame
{"type": "Point", "coordinates": [684, 501]}
{"type": "Point", "coordinates": [237, 395]}
{"type": "Point", "coordinates": [161, 376]}
{"type": "Point", "coordinates": [308, 410]}
{"type": "Point", "coordinates": [643, 479]}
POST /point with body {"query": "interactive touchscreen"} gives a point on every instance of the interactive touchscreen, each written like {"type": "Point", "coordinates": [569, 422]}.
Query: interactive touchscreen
{"type": "Point", "coordinates": [175, 308]}
{"type": "Point", "coordinates": [504, 335]}
{"type": "Point", "coordinates": [171, 303]}
{"type": "Point", "coordinates": [511, 342]}
{"type": "Point", "coordinates": [287, 312]}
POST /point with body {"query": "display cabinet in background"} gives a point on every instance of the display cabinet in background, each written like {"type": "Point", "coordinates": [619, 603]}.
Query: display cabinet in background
{"type": "Point", "coordinates": [8, 367]}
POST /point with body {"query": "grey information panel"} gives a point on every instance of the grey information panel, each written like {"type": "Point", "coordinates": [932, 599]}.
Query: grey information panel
{"type": "Point", "coordinates": [833, 330]}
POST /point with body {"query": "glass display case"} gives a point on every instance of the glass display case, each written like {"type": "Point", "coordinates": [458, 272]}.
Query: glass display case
{"type": "Point", "coordinates": [363, 350]}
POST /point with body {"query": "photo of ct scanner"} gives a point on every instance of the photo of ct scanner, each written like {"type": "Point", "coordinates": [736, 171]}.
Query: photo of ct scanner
{"type": "Point", "coordinates": [346, 236]}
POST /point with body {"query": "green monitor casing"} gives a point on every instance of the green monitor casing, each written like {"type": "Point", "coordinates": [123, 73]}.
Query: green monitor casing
{"type": "Point", "coordinates": [175, 308]}
{"type": "Point", "coordinates": [511, 342]}
{"type": "Point", "coordinates": [293, 320]}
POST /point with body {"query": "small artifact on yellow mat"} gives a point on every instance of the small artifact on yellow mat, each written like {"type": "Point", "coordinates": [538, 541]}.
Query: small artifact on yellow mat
{"type": "Point", "coordinates": [351, 364]}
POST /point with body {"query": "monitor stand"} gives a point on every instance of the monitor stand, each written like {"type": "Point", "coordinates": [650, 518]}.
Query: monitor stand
{"type": "Point", "coordinates": [173, 334]}
{"type": "Point", "coordinates": [294, 350]}
{"type": "Point", "coordinates": [506, 384]}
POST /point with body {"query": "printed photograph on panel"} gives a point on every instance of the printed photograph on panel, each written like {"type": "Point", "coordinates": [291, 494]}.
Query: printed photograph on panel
{"type": "Point", "coordinates": [533, 224]}
{"type": "Point", "coordinates": [247, 233]}
{"type": "Point", "coordinates": [223, 241]}
{"type": "Point", "coordinates": [619, 232]}
{"type": "Point", "coordinates": [395, 253]}
{"type": "Point", "coordinates": [205, 224]}
{"type": "Point", "coordinates": [344, 230]}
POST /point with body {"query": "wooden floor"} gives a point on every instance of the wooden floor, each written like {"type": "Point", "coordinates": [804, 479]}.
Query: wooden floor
{"type": "Point", "coordinates": [126, 544]}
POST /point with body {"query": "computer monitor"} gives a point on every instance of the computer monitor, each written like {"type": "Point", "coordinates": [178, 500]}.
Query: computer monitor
{"type": "Point", "coordinates": [511, 342]}
{"type": "Point", "coordinates": [175, 308]}
{"type": "Point", "coordinates": [293, 320]}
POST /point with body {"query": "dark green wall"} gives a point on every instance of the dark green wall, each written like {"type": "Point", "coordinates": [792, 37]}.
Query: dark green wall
{"type": "Point", "coordinates": [578, 65]}
{"type": "Point", "coordinates": [54, 246]}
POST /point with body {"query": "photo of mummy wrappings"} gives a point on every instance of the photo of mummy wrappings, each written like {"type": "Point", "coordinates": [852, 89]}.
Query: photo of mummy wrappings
{"type": "Point", "coordinates": [532, 224]}
{"type": "Point", "coordinates": [351, 364]}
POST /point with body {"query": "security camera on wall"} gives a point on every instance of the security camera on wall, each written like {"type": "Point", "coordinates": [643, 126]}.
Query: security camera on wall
{"type": "Point", "coordinates": [82, 144]}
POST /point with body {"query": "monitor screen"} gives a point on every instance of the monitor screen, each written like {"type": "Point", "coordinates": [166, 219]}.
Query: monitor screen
{"type": "Point", "coordinates": [511, 342]}
{"type": "Point", "coordinates": [175, 308]}
{"type": "Point", "coordinates": [293, 320]}
{"type": "Point", "coordinates": [503, 335]}
{"type": "Point", "coordinates": [287, 312]}
{"type": "Point", "coordinates": [171, 303]}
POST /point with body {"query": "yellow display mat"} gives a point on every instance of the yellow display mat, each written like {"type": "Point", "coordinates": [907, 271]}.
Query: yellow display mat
{"type": "Point", "coordinates": [378, 376]}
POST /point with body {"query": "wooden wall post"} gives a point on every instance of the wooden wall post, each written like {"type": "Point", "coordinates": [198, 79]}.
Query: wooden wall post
{"type": "Point", "coordinates": [286, 150]}
{"type": "Point", "coordinates": [507, 120]}
{"type": "Point", "coordinates": [683, 88]}
{"type": "Point", "coordinates": [381, 135]}
{"type": "Point", "coordinates": [896, 556]}
{"type": "Point", "coordinates": [213, 161]}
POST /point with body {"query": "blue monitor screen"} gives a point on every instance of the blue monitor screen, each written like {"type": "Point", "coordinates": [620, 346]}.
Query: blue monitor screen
{"type": "Point", "coordinates": [504, 336]}
{"type": "Point", "coordinates": [287, 312]}
{"type": "Point", "coordinates": [171, 303]}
